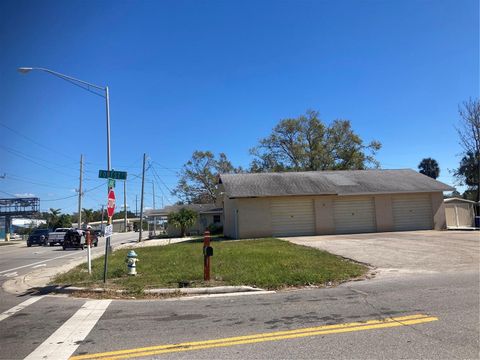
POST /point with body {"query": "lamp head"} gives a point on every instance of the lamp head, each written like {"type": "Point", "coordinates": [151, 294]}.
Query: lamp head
{"type": "Point", "coordinates": [24, 70]}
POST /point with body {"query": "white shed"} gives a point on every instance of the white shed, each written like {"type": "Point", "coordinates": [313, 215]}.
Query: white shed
{"type": "Point", "coordinates": [459, 213]}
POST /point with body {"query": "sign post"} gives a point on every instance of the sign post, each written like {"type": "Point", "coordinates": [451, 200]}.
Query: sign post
{"type": "Point", "coordinates": [108, 229]}
{"type": "Point", "coordinates": [89, 256]}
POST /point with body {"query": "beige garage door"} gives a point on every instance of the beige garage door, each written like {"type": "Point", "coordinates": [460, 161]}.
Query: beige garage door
{"type": "Point", "coordinates": [412, 212]}
{"type": "Point", "coordinates": [354, 215]}
{"type": "Point", "coordinates": [293, 217]}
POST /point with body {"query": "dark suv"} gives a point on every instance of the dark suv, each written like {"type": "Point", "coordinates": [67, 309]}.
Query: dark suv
{"type": "Point", "coordinates": [38, 237]}
{"type": "Point", "coordinates": [75, 238]}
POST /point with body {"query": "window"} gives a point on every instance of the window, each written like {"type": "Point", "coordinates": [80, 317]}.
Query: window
{"type": "Point", "coordinates": [216, 219]}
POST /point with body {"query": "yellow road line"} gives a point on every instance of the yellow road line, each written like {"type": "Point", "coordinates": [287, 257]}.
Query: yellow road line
{"type": "Point", "coordinates": [262, 337]}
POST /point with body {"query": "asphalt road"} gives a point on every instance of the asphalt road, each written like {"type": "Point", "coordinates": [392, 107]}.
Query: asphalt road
{"type": "Point", "coordinates": [18, 259]}
{"type": "Point", "coordinates": [435, 316]}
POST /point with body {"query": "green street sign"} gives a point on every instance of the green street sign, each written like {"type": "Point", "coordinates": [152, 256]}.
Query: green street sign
{"type": "Point", "coordinates": [112, 174]}
{"type": "Point", "coordinates": [111, 183]}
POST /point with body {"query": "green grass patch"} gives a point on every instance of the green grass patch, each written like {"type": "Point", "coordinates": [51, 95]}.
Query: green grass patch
{"type": "Point", "coordinates": [265, 263]}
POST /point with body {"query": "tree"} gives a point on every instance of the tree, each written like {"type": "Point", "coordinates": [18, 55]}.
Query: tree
{"type": "Point", "coordinates": [183, 219]}
{"type": "Point", "coordinates": [468, 174]}
{"type": "Point", "coordinates": [52, 218]}
{"type": "Point", "coordinates": [64, 221]}
{"type": "Point", "coordinates": [88, 215]}
{"type": "Point", "coordinates": [469, 134]}
{"type": "Point", "coordinates": [118, 215]}
{"type": "Point", "coordinates": [198, 177]}
{"type": "Point", "coordinates": [306, 143]}
{"type": "Point", "coordinates": [429, 167]}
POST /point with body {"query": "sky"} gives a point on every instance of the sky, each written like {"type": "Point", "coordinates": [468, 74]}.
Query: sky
{"type": "Point", "coordinates": [219, 75]}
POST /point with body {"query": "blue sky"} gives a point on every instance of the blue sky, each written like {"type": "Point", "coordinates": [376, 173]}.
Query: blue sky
{"type": "Point", "coordinates": [218, 75]}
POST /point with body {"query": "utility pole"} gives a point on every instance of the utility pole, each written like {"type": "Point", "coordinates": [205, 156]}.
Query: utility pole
{"type": "Point", "coordinates": [154, 218]}
{"type": "Point", "coordinates": [125, 204]}
{"type": "Point", "coordinates": [80, 194]}
{"type": "Point", "coordinates": [136, 205]}
{"type": "Point", "coordinates": [141, 199]}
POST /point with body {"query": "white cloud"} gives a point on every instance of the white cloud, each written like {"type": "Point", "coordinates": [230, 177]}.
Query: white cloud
{"type": "Point", "coordinates": [25, 195]}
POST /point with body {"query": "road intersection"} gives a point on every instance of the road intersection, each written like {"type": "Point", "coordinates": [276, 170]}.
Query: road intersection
{"type": "Point", "coordinates": [424, 315]}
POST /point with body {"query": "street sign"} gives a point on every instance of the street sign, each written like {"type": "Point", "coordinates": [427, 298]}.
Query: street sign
{"type": "Point", "coordinates": [112, 174]}
{"type": "Point", "coordinates": [111, 183]}
{"type": "Point", "coordinates": [108, 230]}
{"type": "Point", "coordinates": [111, 203]}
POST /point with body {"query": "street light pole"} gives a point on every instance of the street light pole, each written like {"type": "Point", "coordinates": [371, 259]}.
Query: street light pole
{"type": "Point", "coordinates": [107, 101]}
{"type": "Point", "coordinates": [87, 86]}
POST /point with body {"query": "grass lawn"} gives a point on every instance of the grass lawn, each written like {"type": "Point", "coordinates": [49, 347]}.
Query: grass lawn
{"type": "Point", "coordinates": [266, 263]}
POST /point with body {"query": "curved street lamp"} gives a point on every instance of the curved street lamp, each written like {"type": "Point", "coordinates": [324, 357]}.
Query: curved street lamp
{"type": "Point", "coordinates": [87, 86]}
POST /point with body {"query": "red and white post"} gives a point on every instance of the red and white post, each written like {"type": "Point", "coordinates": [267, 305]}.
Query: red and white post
{"type": "Point", "coordinates": [206, 258]}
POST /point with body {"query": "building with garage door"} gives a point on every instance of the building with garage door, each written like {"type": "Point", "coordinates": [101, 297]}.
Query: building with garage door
{"type": "Point", "coordinates": [330, 202]}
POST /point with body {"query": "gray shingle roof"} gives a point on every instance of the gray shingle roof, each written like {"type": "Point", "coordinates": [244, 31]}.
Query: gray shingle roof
{"type": "Point", "coordinates": [347, 182]}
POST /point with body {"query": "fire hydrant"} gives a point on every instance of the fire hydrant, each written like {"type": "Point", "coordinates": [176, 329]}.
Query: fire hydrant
{"type": "Point", "coordinates": [131, 260]}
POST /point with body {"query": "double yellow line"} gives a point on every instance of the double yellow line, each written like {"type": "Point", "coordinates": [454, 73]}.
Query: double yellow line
{"type": "Point", "coordinates": [262, 337]}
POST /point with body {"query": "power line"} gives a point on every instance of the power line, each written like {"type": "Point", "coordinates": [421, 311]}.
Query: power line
{"type": "Point", "coordinates": [35, 142]}
{"type": "Point", "coordinates": [16, 178]}
{"type": "Point", "coordinates": [4, 192]}
{"type": "Point", "coordinates": [156, 177]}
{"type": "Point", "coordinates": [19, 154]}
{"type": "Point", "coordinates": [68, 197]}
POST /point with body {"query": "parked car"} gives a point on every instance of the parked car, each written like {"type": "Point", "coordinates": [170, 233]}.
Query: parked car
{"type": "Point", "coordinates": [57, 236]}
{"type": "Point", "coordinates": [38, 237]}
{"type": "Point", "coordinates": [76, 238]}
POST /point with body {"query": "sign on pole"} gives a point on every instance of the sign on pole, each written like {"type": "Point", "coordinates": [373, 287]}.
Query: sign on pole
{"type": "Point", "coordinates": [112, 174]}
{"type": "Point", "coordinates": [111, 203]}
{"type": "Point", "coordinates": [108, 230]}
{"type": "Point", "coordinates": [111, 183]}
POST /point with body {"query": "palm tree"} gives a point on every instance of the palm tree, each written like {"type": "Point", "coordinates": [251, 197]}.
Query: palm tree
{"type": "Point", "coordinates": [52, 218]}
{"type": "Point", "coordinates": [88, 215]}
{"type": "Point", "coordinates": [429, 167]}
{"type": "Point", "coordinates": [183, 219]}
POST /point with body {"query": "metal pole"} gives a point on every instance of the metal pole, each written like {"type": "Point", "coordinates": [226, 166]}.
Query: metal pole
{"type": "Point", "coordinates": [89, 254]}
{"type": "Point", "coordinates": [107, 239]}
{"type": "Point", "coordinates": [125, 205]}
{"type": "Point", "coordinates": [154, 218]}
{"type": "Point", "coordinates": [141, 199]}
{"type": "Point", "coordinates": [107, 101]}
{"type": "Point", "coordinates": [103, 229]}
{"type": "Point", "coordinates": [80, 194]}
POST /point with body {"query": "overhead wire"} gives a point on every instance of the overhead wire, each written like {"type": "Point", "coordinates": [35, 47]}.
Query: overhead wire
{"type": "Point", "coordinates": [83, 192]}
{"type": "Point", "coordinates": [13, 152]}
{"type": "Point", "coordinates": [17, 178]}
{"type": "Point", "coordinates": [157, 179]}
{"type": "Point", "coordinates": [4, 192]}
{"type": "Point", "coordinates": [35, 142]}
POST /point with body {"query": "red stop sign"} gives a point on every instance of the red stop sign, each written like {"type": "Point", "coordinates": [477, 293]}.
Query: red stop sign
{"type": "Point", "coordinates": [111, 203]}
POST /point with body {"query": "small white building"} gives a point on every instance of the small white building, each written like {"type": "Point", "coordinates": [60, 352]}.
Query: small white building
{"type": "Point", "coordinates": [460, 213]}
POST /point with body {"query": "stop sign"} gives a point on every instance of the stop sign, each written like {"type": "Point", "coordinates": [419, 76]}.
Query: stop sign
{"type": "Point", "coordinates": [111, 203]}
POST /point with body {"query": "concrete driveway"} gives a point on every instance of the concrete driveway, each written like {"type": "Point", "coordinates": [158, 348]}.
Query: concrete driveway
{"type": "Point", "coordinates": [412, 252]}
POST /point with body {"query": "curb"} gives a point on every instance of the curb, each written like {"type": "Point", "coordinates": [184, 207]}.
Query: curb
{"type": "Point", "coordinates": [225, 290]}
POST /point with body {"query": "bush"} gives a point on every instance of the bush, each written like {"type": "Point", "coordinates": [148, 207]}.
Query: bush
{"type": "Point", "coordinates": [215, 229]}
